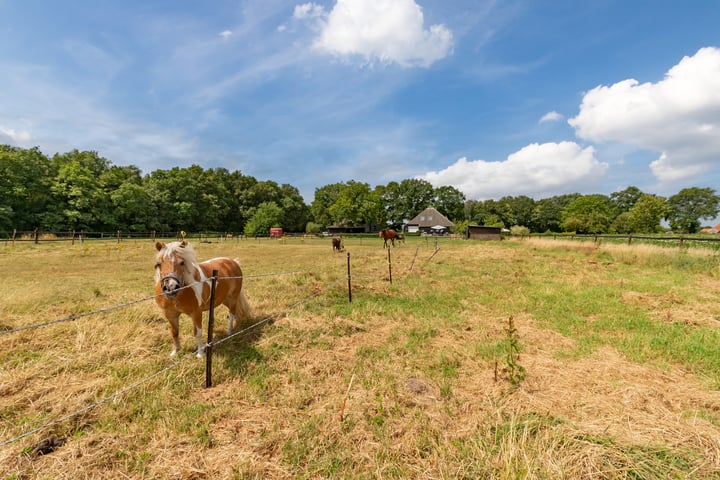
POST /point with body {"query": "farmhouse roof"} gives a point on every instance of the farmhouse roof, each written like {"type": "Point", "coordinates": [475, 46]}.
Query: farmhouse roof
{"type": "Point", "coordinates": [430, 218]}
{"type": "Point", "coordinates": [715, 229]}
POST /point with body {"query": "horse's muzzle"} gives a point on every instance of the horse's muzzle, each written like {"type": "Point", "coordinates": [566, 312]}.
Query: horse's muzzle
{"type": "Point", "coordinates": [170, 285]}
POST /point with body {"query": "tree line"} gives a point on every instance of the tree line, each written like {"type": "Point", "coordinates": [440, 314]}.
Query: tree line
{"type": "Point", "coordinates": [82, 191]}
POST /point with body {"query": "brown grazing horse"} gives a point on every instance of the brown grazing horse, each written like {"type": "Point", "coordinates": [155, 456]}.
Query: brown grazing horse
{"type": "Point", "coordinates": [183, 286]}
{"type": "Point", "coordinates": [389, 234]}
{"type": "Point", "coordinates": [337, 244]}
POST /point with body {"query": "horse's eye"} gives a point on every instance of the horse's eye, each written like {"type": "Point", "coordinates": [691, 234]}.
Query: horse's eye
{"type": "Point", "coordinates": [182, 263]}
{"type": "Point", "coordinates": [157, 265]}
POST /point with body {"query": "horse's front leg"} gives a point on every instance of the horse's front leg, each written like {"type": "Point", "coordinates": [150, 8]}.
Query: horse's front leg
{"type": "Point", "coordinates": [197, 322]}
{"type": "Point", "coordinates": [173, 319]}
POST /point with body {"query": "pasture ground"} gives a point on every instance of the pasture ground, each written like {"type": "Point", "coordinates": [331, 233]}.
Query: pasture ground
{"type": "Point", "coordinates": [515, 359]}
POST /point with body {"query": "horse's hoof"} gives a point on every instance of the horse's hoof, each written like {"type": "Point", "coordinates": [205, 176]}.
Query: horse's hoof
{"type": "Point", "coordinates": [173, 353]}
{"type": "Point", "coordinates": [200, 354]}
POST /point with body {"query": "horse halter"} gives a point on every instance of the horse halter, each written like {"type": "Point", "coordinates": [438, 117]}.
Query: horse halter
{"type": "Point", "coordinates": [170, 276]}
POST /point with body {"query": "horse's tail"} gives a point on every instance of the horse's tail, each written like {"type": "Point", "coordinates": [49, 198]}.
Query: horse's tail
{"type": "Point", "coordinates": [242, 303]}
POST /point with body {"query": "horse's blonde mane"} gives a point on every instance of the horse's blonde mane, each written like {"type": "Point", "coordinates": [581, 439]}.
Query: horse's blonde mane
{"type": "Point", "coordinates": [178, 249]}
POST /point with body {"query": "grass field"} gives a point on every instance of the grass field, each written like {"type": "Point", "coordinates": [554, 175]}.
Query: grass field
{"type": "Point", "coordinates": [514, 359]}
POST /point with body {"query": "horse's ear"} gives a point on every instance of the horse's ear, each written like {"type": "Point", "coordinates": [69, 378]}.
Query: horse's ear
{"type": "Point", "coordinates": [159, 245]}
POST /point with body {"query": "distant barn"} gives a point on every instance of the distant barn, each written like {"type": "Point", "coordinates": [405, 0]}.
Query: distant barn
{"type": "Point", "coordinates": [475, 232]}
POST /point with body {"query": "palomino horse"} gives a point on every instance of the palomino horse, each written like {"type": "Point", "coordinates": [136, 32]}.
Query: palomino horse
{"type": "Point", "coordinates": [389, 234]}
{"type": "Point", "coordinates": [183, 286]}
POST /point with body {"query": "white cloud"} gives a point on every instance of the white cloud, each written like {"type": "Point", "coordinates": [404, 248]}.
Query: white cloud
{"type": "Point", "coordinates": [308, 10]}
{"type": "Point", "coordinates": [551, 117]}
{"type": "Point", "coordinates": [225, 34]}
{"type": "Point", "coordinates": [384, 31]}
{"type": "Point", "coordinates": [679, 116]}
{"type": "Point", "coordinates": [537, 170]}
{"type": "Point", "coordinates": [15, 137]}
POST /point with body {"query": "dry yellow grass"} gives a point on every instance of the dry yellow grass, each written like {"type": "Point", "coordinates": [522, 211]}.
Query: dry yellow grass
{"type": "Point", "coordinates": [422, 352]}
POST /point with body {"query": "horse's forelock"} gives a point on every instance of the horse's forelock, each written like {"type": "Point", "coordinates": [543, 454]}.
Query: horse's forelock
{"type": "Point", "coordinates": [182, 250]}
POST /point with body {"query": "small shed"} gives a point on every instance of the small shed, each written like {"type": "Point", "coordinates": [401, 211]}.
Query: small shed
{"type": "Point", "coordinates": [476, 232]}
{"type": "Point", "coordinates": [276, 232]}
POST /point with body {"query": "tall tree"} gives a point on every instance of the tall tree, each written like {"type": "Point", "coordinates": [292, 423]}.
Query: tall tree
{"type": "Point", "coordinates": [79, 196]}
{"type": "Point", "coordinates": [547, 214]}
{"type": "Point", "coordinates": [356, 205]}
{"type": "Point", "coordinates": [134, 211]}
{"type": "Point", "coordinates": [589, 214]}
{"type": "Point", "coordinates": [646, 214]}
{"type": "Point", "coordinates": [295, 212]}
{"type": "Point", "coordinates": [520, 210]}
{"type": "Point", "coordinates": [325, 197]}
{"type": "Point", "coordinates": [25, 179]}
{"type": "Point", "coordinates": [690, 205]}
{"type": "Point", "coordinates": [266, 216]}
{"type": "Point", "coordinates": [406, 199]}
{"type": "Point", "coordinates": [450, 202]}
{"type": "Point", "coordinates": [624, 200]}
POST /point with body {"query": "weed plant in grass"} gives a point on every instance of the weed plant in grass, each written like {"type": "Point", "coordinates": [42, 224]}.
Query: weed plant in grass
{"type": "Point", "coordinates": [617, 346]}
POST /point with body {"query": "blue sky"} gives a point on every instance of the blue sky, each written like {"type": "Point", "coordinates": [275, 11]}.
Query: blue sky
{"type": "Point", "coordinates": [496, 98]}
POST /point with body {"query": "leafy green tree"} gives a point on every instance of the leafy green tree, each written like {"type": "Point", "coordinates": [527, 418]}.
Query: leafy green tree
{"type": "Point", "coordinates": [643, 217]}
{"type": "Point", "coordinates": [404, 200]}
{"type": "Point", "coordinates": [295, 212]}
{"type": "Point", "coordinates": [235, 184]}
{"type": "Point", "coordinates": [624, 200]}
{"type": "Point", "coordinates": [450, 202]}
{"type": "Point", "coordinates": [356, 205]}
{"type": "Point", "coordinates": [646, 214]}
{"type": "Point", "coordinates": [175, 193]}
{"type": "Point", "coordinates": [520, 210]}
{"type": "Point", "coordinates": [79, 197]}
{"type": "Point", "coordinates": [690, 205]}
{"type": "Point", "coordinates": [325, 197]}
{"type": "Point", "coordinates": [266, 216]}
{"type": "Point", "coordinates": [494, 213]}
{"type": "Point", "coordinates": [547, 214]}
{"type": "Point", "coordinates": [133, 208]}
{"type": "Point", "coordinates": [588, 214]}
{"type": "Point", "coordinates": [25, 179]}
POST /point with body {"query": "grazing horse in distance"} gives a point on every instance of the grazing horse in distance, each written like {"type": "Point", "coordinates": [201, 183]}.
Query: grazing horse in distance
{"type": "Point", "coordinates": [389, 234]}
{"type": "Point", "coordinates": [182, 285]}
{"type": "Point", "coordinates": [337, 244]}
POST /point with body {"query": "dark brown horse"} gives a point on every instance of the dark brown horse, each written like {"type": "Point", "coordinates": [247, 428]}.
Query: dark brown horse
{"type": "Point", "coordinates": [389, 234]}
{"type": "Point", "coordinates": [337, 244]}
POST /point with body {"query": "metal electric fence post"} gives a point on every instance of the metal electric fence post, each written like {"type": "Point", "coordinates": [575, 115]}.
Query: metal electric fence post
{"type": "Point", "coordinates": [349, 282]}
{"type": "Point", "coordinates": [389, 265]}
{"type": "Point", "coordinates": [211, 321]}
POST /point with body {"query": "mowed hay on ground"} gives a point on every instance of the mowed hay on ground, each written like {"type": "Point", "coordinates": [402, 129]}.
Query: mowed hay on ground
{"type": "Point", "coordinates": [617, 346]}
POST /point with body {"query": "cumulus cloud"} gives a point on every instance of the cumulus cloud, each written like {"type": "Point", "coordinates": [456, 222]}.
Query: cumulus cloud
{"type": "Point", "coordinates": [225, 34]}
{"type": "Point", "coordinates": [551, 117]}
{"type": "Point", "coordinates": [679, 116]}
{"type": "Point", "coordinates": [537, 170]}
{"type": "Point", "coordinates": [15, 137]}
{"type": "Point", "coordinates": [385, 31]}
